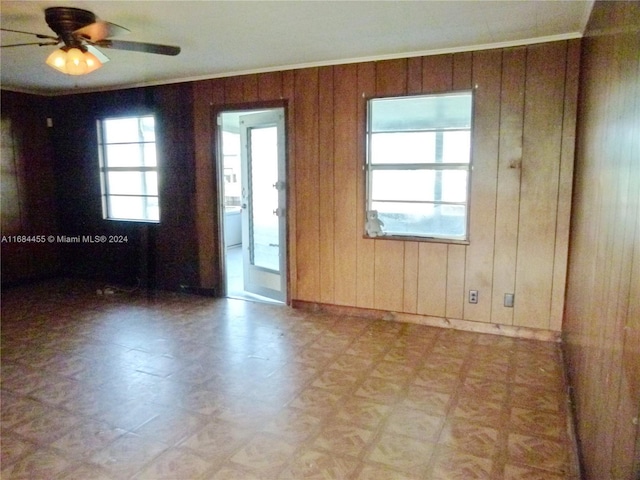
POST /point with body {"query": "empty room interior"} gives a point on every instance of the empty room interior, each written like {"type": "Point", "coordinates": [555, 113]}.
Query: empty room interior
{"type": "Point", "coordinates": [336, 240]}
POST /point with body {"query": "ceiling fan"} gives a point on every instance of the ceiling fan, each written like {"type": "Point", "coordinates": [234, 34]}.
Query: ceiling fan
{"type": "Point", "coordinates": [80, 32]}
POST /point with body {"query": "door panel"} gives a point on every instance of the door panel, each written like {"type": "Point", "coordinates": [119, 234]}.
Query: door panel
{"type": "Point", "coordinates": [264, 203]}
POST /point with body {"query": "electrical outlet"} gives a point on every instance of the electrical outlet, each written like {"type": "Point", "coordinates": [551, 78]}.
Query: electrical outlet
{"type": "Point", "coordinates": [508, 300]}
{"type": "Point", "coordinates": [473, 296]}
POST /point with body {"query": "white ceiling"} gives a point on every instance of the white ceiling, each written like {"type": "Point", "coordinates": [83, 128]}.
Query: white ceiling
{"type": "Point", "coordinates": [222, 38]}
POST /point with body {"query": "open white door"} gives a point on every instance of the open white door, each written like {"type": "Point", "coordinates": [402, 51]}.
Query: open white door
{"type": "Point", "coordinates": [262, 138]}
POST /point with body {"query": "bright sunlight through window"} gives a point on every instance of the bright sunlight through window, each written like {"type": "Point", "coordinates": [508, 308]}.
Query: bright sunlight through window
{"type": "Point", "coordinates": [129, 169]}
{"type": "Point", "coordinates": [419, 165]}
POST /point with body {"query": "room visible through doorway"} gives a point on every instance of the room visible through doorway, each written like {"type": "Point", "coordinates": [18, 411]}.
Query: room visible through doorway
{"type": "Point", "coordinates": [252, 156]}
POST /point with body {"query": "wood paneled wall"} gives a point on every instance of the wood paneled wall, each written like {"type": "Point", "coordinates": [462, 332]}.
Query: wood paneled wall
{"type": "Point", "coordinates": [160, 255]}
{"type": "Point", "coordinates": [602, 320]}
{"type": "Point", "coordinates": [524, 130]}
{"type": "Point", "coordinates": [28, 205]}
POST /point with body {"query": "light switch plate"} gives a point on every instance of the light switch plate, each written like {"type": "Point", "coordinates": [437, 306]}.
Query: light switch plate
{"type": "Point", "coordinates": [508, 300]}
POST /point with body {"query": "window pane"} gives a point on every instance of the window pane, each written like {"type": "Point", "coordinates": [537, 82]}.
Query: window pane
{"type": "Point", "coordinates": [264, 230]}
{"type": "Point", "coordinates": [456, 146]}
{"type": "Point", "coordinates": [123, 130]}
{"type": "Point", "coordinates": [133, 183]}
{"type": "Point", "coordinates": [419, 185]}
{"type": "Point", "coordinates": [402, 185]}
{"type": "Point", "coordinates": [421, 112]}
{"type": "Point", "coordinates": [134, 208]}
{"type": "Point", "coordinates": [403, 147]}
{"type": "Point", "coordinates": [453, 184]}
{"type": "Point", "coordinates": [131, 155]}
{"type": "Point", "coordinates": [423, 220]}
{"type": "Point", "coordinates": [129, 168]}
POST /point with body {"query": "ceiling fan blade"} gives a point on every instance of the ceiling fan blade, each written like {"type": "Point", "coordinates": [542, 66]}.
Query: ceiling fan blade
{"type": "Point", "coordinates": [139, 47]}
{"type": "Point", "coordinates": [38, 35]}
{"type": "Point", "coordinates": [95, 32]}
{"type": "Point", "coordinates": [40, 44]}
{"type": "Point", "coordinates": [99, 55]}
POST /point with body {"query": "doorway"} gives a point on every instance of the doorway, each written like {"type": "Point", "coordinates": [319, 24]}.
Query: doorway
{"type": "Point", "coordinates": [252, 157]}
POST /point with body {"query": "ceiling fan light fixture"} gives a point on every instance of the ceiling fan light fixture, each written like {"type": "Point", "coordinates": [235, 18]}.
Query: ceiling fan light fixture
{"type": "Point", "coordinates": [93, 63]}
{"type": "Point", "coordinates": [73, 61]}
{"type": "Point", "coordinates": [81, 32]}
{"type": "Point", "coordinates": [58, 60]}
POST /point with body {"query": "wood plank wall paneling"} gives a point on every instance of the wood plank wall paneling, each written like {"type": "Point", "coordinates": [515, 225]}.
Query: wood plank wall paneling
{"type": "Point", "coordinates": [250, 88]}
{"type": "Point", "coordinates": [456, 260]}
{"type": "Point", "coordinates": [437, 74]}
{"type": "Point", "coordinates": [486, 73]}
{"type": "Point", "coordinates": [365, 249]}
{"type": "Point", "coordinates": [326, 179]}
{"type": "Point", "coordinates": [462, 71]}
{"type": "Point", "coordinates": [508, 195]}
{"type": "Point", "coordinates": [12, 171]}
{"type": "Point", "coordinates": [542, 146]}
{"type": "Point", "coordinates": [307, 193]}
{"type": "Point", "coordinates": [233, 90]}
{"type": "Point", "coordinates": [460, 67]}
{"type": "Point", "coordinates": [206, 190]}
{"type": "Point", "coordinates": [432, 279]}
{"type": "Point", "coordinates": [27, 203]}
{"type": "Point", "coordinates": [346, 167]}
{"type": "Point", "coordinates": [414, 75]}
{"type": "Point", "coordinates": [391, 78]}
{"type": "Point", "coordinates": [565, 186]}
{"type": "Point", "coordinates": [411, 268]}
{"type": "Point", "coordinates": [288, 89]}
{"type": "Point", "coordinates": [173, 239]}
{"type": "Point", "coordinates": [330, 260]}
{"type": "Point", "coordinates": [388, 273]}
{"type": "Point", "coordinates": [270, 86]}
{"type": "Point", "coordinates": [602, 312]}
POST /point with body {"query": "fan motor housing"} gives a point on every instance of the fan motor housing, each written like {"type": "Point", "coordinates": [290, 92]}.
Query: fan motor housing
{"type": "Point", "coordinates": [66, 20]}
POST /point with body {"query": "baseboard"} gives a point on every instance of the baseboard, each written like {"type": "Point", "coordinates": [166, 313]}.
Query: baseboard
{"type": "Point", "coordinates": [440, 322]}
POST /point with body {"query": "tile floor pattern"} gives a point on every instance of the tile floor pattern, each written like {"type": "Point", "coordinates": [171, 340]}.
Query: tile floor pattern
{"type": "Point", "coordinates": [178, 387]}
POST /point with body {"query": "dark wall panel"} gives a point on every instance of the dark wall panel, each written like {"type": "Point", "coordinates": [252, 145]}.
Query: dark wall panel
{"type": "Point", "coordinates": [28, 200]}
{"type": "Point", "coordinates": [160, 255]}
{"type": "Point", "coordinates": [602, 312]}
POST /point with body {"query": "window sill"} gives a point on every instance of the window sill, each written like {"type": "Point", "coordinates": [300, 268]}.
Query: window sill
{"type": "Point", "coordinates": [132, 220]}
{"type": "Point", "coordinates": [408, 238]}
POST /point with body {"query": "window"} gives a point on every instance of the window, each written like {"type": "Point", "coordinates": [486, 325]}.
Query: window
{"type": "Point", "coordinates": [231, 164]}
{"type": "Point", "coordinates": [129, 168]}
{"type": "Point", "coordinates": [419, 165]}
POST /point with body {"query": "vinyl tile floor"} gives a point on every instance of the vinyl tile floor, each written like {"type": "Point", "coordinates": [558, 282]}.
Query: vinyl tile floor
{"type": "Point", "coordinates": [178, 387]}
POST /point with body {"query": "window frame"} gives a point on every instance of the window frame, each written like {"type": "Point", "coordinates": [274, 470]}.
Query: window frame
{"type": "Point", "coordinates": [105, 169]}
{"type": "Point", "coordinates": [369, 167]}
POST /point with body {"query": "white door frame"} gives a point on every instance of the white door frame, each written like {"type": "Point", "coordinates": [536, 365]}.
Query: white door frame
{"type": "Point", "coordinates": [258, 280]}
